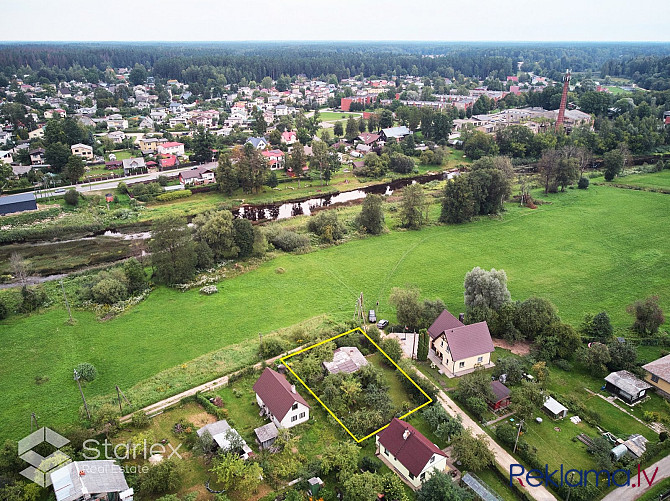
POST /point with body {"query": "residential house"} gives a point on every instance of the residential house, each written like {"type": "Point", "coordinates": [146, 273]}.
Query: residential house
{"type": "Point", "coordinates": [176, 108]}
{"type": "Point", "coordinates": [658, 375]}
{"type": "Point", "coordinates": [368, 138]}
{"type": "Point", "coordinates": [281, 110]}
{"type": "Point", "coordinates": [501, 396]}
{"type": "Point", "coordinates": [409, 453]}
{"type": "Point", "coordinates": [397, 133]}
{"type": "Point", "coordinates": [554, 408]}
{"type": "Point", "coordinates": [266, 435]}
{"type": "Point", "coordinates": [36, 134]}
{"type": "Point", "coordinates": [17, 203]}
{"type": "Point", "coordinates": [116, 121]}
{"type": "Point", "coordinates": [158, 115]}
{"type": "Point", "coordinates": [458, 348]}
{"type": "Point", "coordinates": [221, 432]}
{"type": "Point", "coordinates": [168, 161]}
{"type": "Point", "coordinates": [100, 480]}
{"type": "Point", "coordinates": [20, 170]}
{"type": "Point", "coordinates": [174, 121]}
{"type": "Point", "coordinates": [197, 175]}
{"type": "Point", "coordinates": [147, 123]}
{"type": "Point", "coordinates": [82, 150]}
{"type": "Point", "coordinates": [37, 156]}
{"type": "Point", "coordinates": [279, 400]}
{"type": "Point", "coordinates": [275, 158]}
{"type": "Point", "coordinates": [7, 157]}
{"type": "Point", "coordinates": [116, 136]}
{"type": "Point", "coordinates": [626, 386]}
{"type": "Point", "coordinates": [171, 148]}
{"type": "Point", "coordinates": [257, 142]}
{"type": "Point", "coordinates": [150, 144]}
{"type": "Point", "coordinates": [289, 137]}
{"type": "Point", "coordinates": [133, 166]}
{"type": "Point", "coordinates": [5, 137]}
{"type": "Point", "coordinates": [346, 359]}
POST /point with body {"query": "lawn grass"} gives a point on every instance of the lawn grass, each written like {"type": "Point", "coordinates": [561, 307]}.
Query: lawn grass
{"type": "Point", "coordinates": [497, 483]}
{"type": "Point", "coordinates": [586, 251]}
{"type": "Point", "coordinates": [335, 116]}
{"type": "Point", "coordinates": [122, 154]}
{"type": "Point", "coordinates": [651, 180]}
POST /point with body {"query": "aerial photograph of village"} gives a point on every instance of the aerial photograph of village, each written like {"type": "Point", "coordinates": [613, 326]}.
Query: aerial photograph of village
{"type": "Point", "coordinates": [292, 251]}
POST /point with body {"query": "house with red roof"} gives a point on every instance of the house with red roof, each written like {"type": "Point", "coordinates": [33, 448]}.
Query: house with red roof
{"type": "Point", "coordinates": [168, 161]}
{"type": "Point", "coordinates": [410, 454]}
{"type": "Point", "coordinates": [279, 400]}
{"type": "Point", "coordinates": [458, 348]}
{"type": "Point", "coordinates": [171, 148]}
{"type": "Point", "coordinates": [289, 137]}
{"type": "Point", "coordinates": [275, 158]}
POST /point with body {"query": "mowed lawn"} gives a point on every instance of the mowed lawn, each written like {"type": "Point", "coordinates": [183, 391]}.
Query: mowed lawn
{"type": "Point", "coordinates": [586, 251]}
{"type": "Point", "coordinates": [652, 180]}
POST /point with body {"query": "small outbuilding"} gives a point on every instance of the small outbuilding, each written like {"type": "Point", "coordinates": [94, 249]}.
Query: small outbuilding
{"type": "Point", "coordinates": [501, 396]}
{"type": "Point", "coordinates": [619, 451]}
{"type": "Point", "coordinates": [554, 408]}
{"type": "Point", "coordinates": [221, 433]}
{"type": "Point", "coordinates": [17, 203]}
{"type": "Point", "coordinates": [346, 359]}
{"type": "Point", "coordinates": [626, 386]}
{"type": "Point", "coordinates": [266, 435]}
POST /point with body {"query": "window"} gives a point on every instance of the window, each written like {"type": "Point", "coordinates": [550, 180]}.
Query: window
{"type": "Point", "coordinates": [412, 477]}
{"type": "Point", "coordinates": [432, 459]}
{"type": "Point", "coordinates": [386, 452]}
{"type": "Point", "coordinates": [295, 406]}
{"type": "Point", "coordinates": [294, 418]}
{"type": "Point", "coordinates": [302, 415]}
{"type": "Point", "coordinates": [461, 365]}
{"type": "Point", "coordinates": [423, 476]}
{"type": "Point", "coordinates": [480, 359]}
{"type": "Point", "coordinates": [654, 378]}
{"type": "Point", "coordinates": [441, 343]}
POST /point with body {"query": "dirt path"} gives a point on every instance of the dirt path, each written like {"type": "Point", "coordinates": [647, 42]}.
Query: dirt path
{"type": "Point", "coordinates": [519, 348]}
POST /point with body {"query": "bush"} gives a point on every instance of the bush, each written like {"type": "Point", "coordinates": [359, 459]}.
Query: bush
{"type": "Point", "coordinates": [140, 420]}
{"type": "Point", "coordinates": [286, 240]}
{"type": "Point", "coordinates": [327, 226]}
{"type": "Point", "coordinates": [122, 188]}
{"type": "Point", "coordinates": [31, 299]}
{"type": "Point", "coordinates": [270, 347]}
{"type": "Point", "coordinates": [86, 371]}
{"type": "Point", "coordinates": [163, 180]}
{"type": "Point", "coordinates": [4, 311]}
{"type": "Point", "coordinates": [173, 195]}
{"type": "Point", "coordinates": [583, 183]}
{"type": "Point", "coordinates": [108, 291]}
{"type": "Point", "coordinates": [506, 432]}
{"type": "Point", "coordinates": [71, 197]}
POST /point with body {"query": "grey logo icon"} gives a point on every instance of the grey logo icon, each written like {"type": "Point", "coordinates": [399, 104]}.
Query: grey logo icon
{"type": "Point", "coordinates": [40, 466]}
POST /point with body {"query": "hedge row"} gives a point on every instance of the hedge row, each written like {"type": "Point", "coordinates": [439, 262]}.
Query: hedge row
{"type": "Point", "coordinates": [174, 195]}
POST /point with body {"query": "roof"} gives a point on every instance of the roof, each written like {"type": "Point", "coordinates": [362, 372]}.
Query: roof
{"type": "Point", "coordinates": [218, 431]}
{"type": "Point", "coordinates": [195, 173]}
{"type": "Point", "coordinates": [272, 153]}
{"type": "Point", "coordinates": [82, 145]}
{"type": "Point", "coordinates": [255, 141]}
{"type": "Point", "coordinates": [627, 382]}
{"type": "Point", "coordinates": [636, 444]}
{"type": "Point", "coordinates": [500, 391]}
{"type": "Point", "coordinates": [444, 321]}
{"type": "Point", "coordinates": [171, 144]}
{"type": "Point", "coordinates": [368, 137]}
{"type": "Point", "coordinates": [480, 488]}
{"type": "Point", "coordinates": [133, 163]}
{"type": "Point", "coordinates": [399, 131]}
{"type": "Point", "coordinates": [660, 368]}
{"type": "Point", "coordinates": [277, 393]}
{"type": "Point", "coordinates": [168, 160]}
{"type": "Point", "coordinates": [266, 432]}
{"type": "Point", "coordinates": [346, 359]}
{"type": "Point", "coordinates": [469, 341]}
{"type": "Point", "coordinates": [554, 406]}
{"type": "Point", "coordinates": [20, 197]}
{"type": "Point", "coordinates": [98, 477]}
{"type": "Point", "coordinates": [413, 450]}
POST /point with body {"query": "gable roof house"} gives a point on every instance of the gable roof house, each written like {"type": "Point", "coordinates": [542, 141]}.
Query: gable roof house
{"type": "Point", "coordinates": [626, 386]}
{"type": "Point", "coordinates": [220, 431]}
{"type": "Point", "coordinates": [133, 165]}
{"type": "Point", "coordinates": [17, 203]}
{"type": "Point", "coordinates": [658, 375]}
{"type": "Point", "coordinates": [197, 175]}
{"type": "Point", "coordinates": [458, 348]}
{"type": "Point", "coordinates": [554, 408]}
{"type": "Point", "coordinates": [82, 150]}
{"type": "Point", "coordinates": [346, 359]}
{"type": "Point", "coordinates": [171, 147]}
{"type": "Point", "coordinates": [275, 158]}
{"type": "Point", "coordinates": [501, 396]}
{"type": "Point", "coordinates": [100, 480]}
{"type": "Point", "coordinates": [409, 453]}
{"type": "Point", "coordinates": [257, 142]}
{"type": "Point", "coordinates": [279, 400]}
{"type": "Point", "coordinates": [396, 133]}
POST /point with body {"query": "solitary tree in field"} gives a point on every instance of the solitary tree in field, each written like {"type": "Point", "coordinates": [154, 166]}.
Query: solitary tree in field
{"type": "Point", "coordinates": [648, 315]}
{"type": "Point", "coordinates": [413, 213]}
{"type": "Point", "coordinates": [486, 288]}
{"type": "Point", "coordinates": [371, 218]}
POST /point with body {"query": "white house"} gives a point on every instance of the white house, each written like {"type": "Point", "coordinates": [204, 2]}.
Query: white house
{"type": "Point", "coordinates": [221, 432]}
{"type": "Point", "coordinates": [409, 453]}
{"type": "Point", "coordinates": [82, 150]}
{"type": "Point", "coordinates": [171, 148]}
{"type": "Point", "coordinates": [197, 175]}
{"type": "Point", "coordinates": [279, 400]}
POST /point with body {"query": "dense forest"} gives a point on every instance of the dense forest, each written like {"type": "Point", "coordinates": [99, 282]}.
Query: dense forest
{"type": "Point", "coordinates": [232, 62]}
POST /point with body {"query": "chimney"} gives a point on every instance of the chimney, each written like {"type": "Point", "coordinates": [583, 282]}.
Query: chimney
{"type": "Point", "coordinates": [461, 316]}
{"type": "Point", "coordinates": [405, 434]}
{"type": "Point", "coordinates": [292, 388]}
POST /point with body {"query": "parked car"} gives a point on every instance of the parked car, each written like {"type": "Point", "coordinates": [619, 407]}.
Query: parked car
{"type": "Point", "coordinates": [59, 191]}
{"type": "Point", "coordinates": [382, 324]}
{"type": "Point", "coordinates": [372, 317]}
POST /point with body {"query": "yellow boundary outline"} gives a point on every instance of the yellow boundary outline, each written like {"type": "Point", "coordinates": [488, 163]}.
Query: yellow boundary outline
{"type": "Point", "coordinates": [284, 361]}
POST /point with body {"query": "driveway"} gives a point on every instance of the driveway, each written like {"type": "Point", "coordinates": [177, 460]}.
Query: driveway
{"type": "Point", "coordinates": [630, 493]}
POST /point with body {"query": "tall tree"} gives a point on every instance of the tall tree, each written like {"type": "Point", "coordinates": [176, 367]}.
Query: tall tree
{"type": "Point", "coordinates": [202, 144]}
{"type": "Point", "coordinates": [74, 169]}
{"type": "Point", "coordinates": [413, 207]}
{"type": "Point", "coordinates": [172, 250]}
{"type": "Point", "coordinates": [227, 175]}
{"type": "Point", "coordinates": [457, 203]}
{"type": "Point", "coordinates": [371, 218]}
{"type": "Point", "coordinates": [297, 160]}
{"type": "Point", "coordinates": [352, 130]}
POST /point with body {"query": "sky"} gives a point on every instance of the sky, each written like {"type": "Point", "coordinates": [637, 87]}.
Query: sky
{"type": "Point", "coordinates": [224, 20]}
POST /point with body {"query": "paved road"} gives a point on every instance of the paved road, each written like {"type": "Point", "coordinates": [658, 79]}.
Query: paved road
{"type": "Point", "coordinates": [113, 183]}
{"type": "Point", "coordinates": [630, 493]}
{"type": "Point", "coordinates": [503, 458]}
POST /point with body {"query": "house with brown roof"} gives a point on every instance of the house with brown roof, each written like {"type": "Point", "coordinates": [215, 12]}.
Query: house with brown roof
{"type": "Point", "coordinates": [458, 348]}
{"type": "Point", "coordinates": [501, 396]}
{"type": "Point", "coordinates": [658, 375]}
{"type": "Point", "coordinates": [410, 454]}
{"type": "Point", "coordinates": [279, 400]}
{"type": "Point", "coordinates": [197, 175]}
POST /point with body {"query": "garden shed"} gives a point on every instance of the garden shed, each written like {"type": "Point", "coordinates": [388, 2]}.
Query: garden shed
{"type": "Point", "coordinates": [554, 408]}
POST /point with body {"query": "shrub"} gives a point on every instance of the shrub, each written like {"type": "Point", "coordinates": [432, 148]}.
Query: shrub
{"type": "Point", "coordinates": [270, 347]}
{"type": "Point", "coordinates": [583, 183]}
{"type": "Point", "coordinates": [286, 240]}
{"type": "Point", "coordinates": [31, 299]}
{"type": "Point", "coordinates": [327, 226]}
{"type": "Point", "coordinates": [122, 188]}
{"type": "Point", "coordinates": [4, 311]}
{"type": "Point", "coordinates": [108, 291]}
{"type": "Point", "coordinates": [173, 195]}
{"type": "Point", "coordinates": [506, 432]}
{"type": "Point", "coordinates": [163, 180]}
{"type": "Point", "coordinates": [140, 420]}
{"type": "Point", "coordinates": [71, 197]}
{"type": "Point", "coordinates": [86, 371]}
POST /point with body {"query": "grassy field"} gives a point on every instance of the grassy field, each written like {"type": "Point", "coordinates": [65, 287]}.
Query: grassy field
{"type": "Point", "coordinates": [335, 116]}
{"type": "Point", "coordinates": [586, 251]}
{"type": "Point", "coordinates": [652, 180]}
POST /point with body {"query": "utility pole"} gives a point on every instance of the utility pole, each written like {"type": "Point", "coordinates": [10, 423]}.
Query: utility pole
{"type": "Point", "coordinates": [67, 305]}
{"type": "Point", "coordinates": [76, 378]}
{"type": "Point", "coordinates": [517, 435]}
{"type": "Point", "coordinates": [118, 394]}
